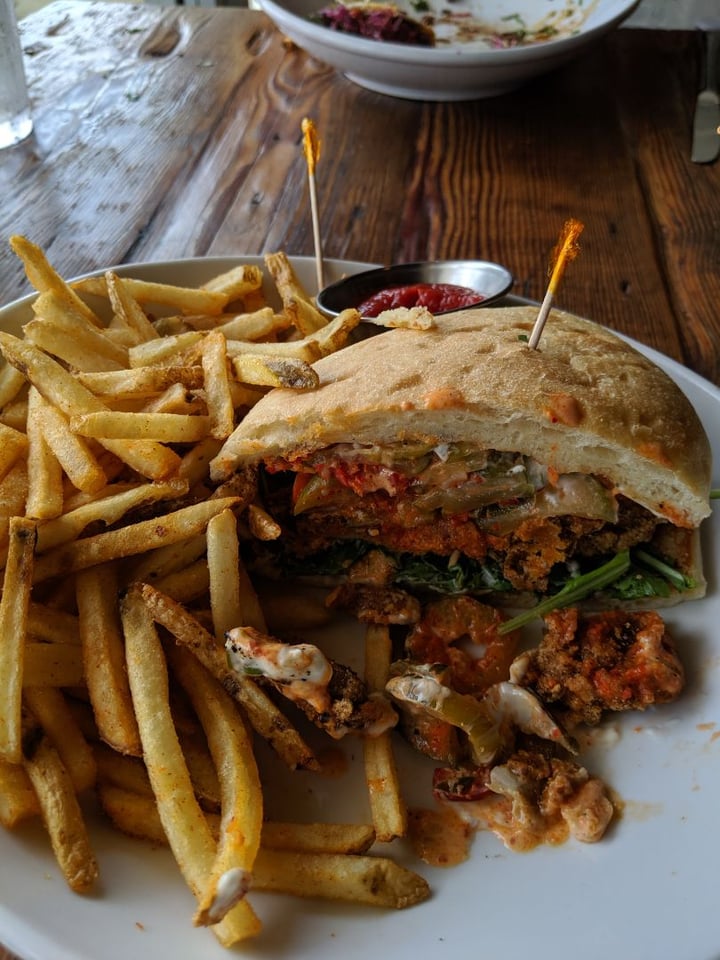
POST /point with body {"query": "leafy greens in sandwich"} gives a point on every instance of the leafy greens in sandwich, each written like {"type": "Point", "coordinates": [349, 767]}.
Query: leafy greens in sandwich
{"type": "Point", "coordinates": [458, 460]}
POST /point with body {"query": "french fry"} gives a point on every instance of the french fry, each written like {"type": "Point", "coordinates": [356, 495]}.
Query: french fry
{"type": "Point", "coordinates": [156, 564]}
{"type": "Point", "coordinates": [140, 383]}
{"type": "Point", "coordinates": [176, 399]}
{"type": "Point", "coordinates": [53, 665]}
{"type": "Point", "coordinates": [121, 770]}
{"type": "Point", "coordinates": [236, 283]}
{"type": "Point", "coordinates": [347, 838]}
{"type": "Point", "coordinates": [389, 813]}
{"type": "Point", "coordinates": [162, 427]}
{"type": "Point", "coordinates": [259, 325]}
{"type": "Point", "coordinates": [50, 709]}
{"type": "Point", "coordinates": [103, 656]}
{"type": "Point", "coordinates": [233, 599]}
{"type": "Point", "coordinates": [182, 819]}
{"type": "Point", "coordinates": [262, 525]}
{"type": "Point", "coordinates": [13, 445]}
{"type": "Point", "coordinates": [307, 350]}
{"type": "Point", "coordinates": [165, 350]}
{"type": "Point", "coordinates": [60, 388]}
{"type": "Point", "coordinates": [185, 299]}
{"type": "Point", "coordinates": [129, 540]}
{"type": "Point", "coordinates": [296, 301]}
{"type": "Point", "coordinates": [44, 278]}
{"type": "Point", "coordinates": [12, 383]}
{"type": "Point", "coordinates": [263, 715]}
{"type": "Point", "coordinates": [334, 335]}
{"type": "Point", "coordinates": [107, 510]}
{"type": "Point", "coordinates": [270, 371]}
{"type": "Point", "coordinates": [13, 630]}
{"type": "Point", "coordinates": [51, 625]}
{"type": "Point", "coordinates": [362, 879]}
{"type": "Point", "coordinates": [44, 473]}
{"type": "Point", "coordinates": [126, 309]}
{"type": "Point", "coordinates": [241, 794]}
{"type": "Point", "coordinates": [59, 807]}
{"type": "Point", "coordinates": [217, 386]}
{"type": "Point", "coordinates": [78, 344]}
{"type": "Point", "coordinates": [18, 800]}
{"type": "Point", "coordinates": [186, 585]}
{"type": "Point", "coordinates": [72, 453]}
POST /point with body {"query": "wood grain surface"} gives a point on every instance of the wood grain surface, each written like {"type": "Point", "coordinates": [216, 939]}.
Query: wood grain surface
{"type": "Point", "coordinates": [169, 132]}
{"type": "Point", "coordinates": [165, 132]}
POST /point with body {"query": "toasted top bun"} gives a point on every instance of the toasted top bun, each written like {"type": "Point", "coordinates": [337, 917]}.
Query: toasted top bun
{"type": "Point", "coordinates": [585, 401]}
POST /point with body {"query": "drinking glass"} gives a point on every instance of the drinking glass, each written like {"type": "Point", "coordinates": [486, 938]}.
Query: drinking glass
{"type": "Point", "coordinates": [15, 117]}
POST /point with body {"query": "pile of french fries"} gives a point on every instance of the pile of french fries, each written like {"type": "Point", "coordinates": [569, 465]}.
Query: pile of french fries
{"type": "Point", "coordinates": [121, 574]}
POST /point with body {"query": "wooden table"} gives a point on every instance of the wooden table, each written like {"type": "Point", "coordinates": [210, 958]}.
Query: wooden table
{"type": "Point", "coordinates": [165, 132]}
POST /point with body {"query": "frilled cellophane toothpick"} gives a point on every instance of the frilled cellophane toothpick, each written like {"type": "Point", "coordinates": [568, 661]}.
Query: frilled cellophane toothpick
{"type": "Point", "coordinates": [565, 250]}
{"type": "Point", "coordinates": [311, 148]}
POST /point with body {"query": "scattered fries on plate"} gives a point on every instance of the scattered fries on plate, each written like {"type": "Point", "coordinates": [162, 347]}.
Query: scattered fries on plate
{"type": "Point", "coordinates": [121, 575]}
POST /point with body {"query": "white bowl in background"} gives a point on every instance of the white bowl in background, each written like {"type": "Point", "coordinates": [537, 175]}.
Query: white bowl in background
{"type": "Point", "coordinates": [453, 69]}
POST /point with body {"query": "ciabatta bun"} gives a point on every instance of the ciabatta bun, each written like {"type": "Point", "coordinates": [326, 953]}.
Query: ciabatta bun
{"type": "Point", "coordinates": [584, 402]}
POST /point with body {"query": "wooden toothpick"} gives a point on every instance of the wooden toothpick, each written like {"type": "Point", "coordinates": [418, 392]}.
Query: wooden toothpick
{"type": "Point", "coordinates": [565, 250]}
{"type": "Point", "coordinates": [311, 147]}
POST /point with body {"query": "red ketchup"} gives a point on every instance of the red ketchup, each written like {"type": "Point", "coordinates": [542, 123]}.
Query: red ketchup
{"type": "Point", "coordinates": [437, 297]}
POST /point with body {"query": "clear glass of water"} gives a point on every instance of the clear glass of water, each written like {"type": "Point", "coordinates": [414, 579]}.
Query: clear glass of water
{"type": "Point", "coordinates": [15, 117]}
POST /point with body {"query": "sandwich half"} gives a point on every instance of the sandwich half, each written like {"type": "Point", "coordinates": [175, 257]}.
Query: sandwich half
{"type": "Point", "coordinates": [458, 460]}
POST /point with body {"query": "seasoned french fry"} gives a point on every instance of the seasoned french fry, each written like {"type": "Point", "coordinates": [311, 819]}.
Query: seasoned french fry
{"type": "Point", "coordinates": [103, 655]}
{"type": "Point", "coordinates": [296, 301]}
{"type": "Point", "coordinates": [44, 278]}
{"type": "Point", "coordinates": [72, 452]}
{"type": "Point", "coordinates": [129, 540]}
{"type": "Point", "coordinates": [307, 350]}
{"type": "Point", "coordinates": [185, 299]}
{"type": "Point", "coordinates": [163, 427]}
{"type": "Point", "coordinates": [121, 770]}
{"type": "Point", "coordinates": [18, 800]}
{"type": "Point", "coordinates": [83, 349]}
{"type": "Point", "coordinates": [241, 794]}
{"type": "Point", "coordinates": [258, 325]}
{"type": "Point", "coordinates": [107, 510]}
{"type": "Point", "coordinates": [165, 350]}
{"type": "Point", "coordinates": [51, 625]}
{"type": "Point", "coordinates": [261, 524]}
{"type": "Point", "coordinates": [12, 383]}
{"type": "Point", "coordinates": [60, 388]}
{"type": "Point", "coordinates": [264, 716]}
{"type": "Point", "coordinates": [236, 283]}
{"type": "Point", "coordinates": [186, 585]}
{"type": "Point", "coordinates": [273, 371]}
{"type": "Point", "coordinates": [53, 665]}
{"type": "Point", "coordinates": [13, 445]}
{"type": "Point", "coordinates": [126, 308]}
{"type": "Point", "coordinates": [13, 630]}
{"type": "Point", "coordinates": [59, 806]}
{"type": "Point", "coordinates": [388, 809]}
{"type": "Point", "coordinates": [368, 880]}
{"type": "Point", "coordinates": [44, 472]}
{"type": "Point", "coordinates": [142, 382]}
{"type": "Point", "coordinates": [183, 821]}
{"type": "Point", "coordinates": [50, 709]}
{"type": "Point", "coordinates": [334, 335]}
{"type": "Point", "coordinates": [233, 599]}
{"type": "Point", "coordinates": [217, 386]}
{"type": "Point", "coordinates": [347, 838]}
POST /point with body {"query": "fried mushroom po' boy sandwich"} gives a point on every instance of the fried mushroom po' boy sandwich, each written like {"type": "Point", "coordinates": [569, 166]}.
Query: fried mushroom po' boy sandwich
{"type": "Point", "coordinates": [460, 460]}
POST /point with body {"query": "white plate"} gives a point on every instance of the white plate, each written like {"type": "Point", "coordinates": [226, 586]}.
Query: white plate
{"type": "Point", "coordinates": [452, 70]}
{"type": "Point", "coordinates": [646, 892]}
